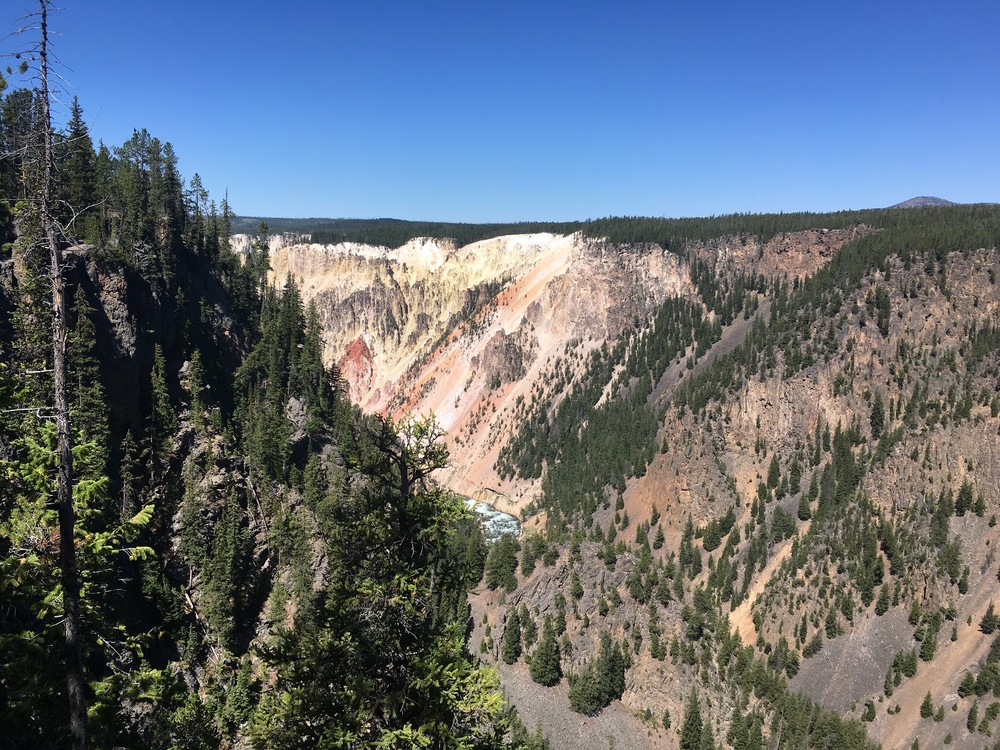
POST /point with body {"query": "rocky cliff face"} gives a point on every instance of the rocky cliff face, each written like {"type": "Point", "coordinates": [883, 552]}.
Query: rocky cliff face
{"type": "Point", "coordinates": [889, 376]}
{"type": "Point", "coordinates": [470, 332]}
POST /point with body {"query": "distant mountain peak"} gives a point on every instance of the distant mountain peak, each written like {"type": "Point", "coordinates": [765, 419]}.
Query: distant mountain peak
{"type": "Point", "coordinates": [922, 201]}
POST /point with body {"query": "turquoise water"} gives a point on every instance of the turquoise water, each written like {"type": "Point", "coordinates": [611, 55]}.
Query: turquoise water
{"type": "Point", "coordinates": [495, 522]}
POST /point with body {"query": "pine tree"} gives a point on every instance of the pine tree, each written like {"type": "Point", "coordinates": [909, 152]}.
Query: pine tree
{"type": "Point", "coordinates": [926, 707]}
{"type": "Point", "coordinates": [963, 501]}
{"type": "Point", "coordinates": [129, 475]}
{"type": "Point", "coordinates": [659, 539]}
{"type": "Point", "coordinates": [967, 685]}
{"type": "Point", "coordinates": [529, 630]}
{"type": "Point", "coordinates": [773, 472]}
{"type": "Point", "coordinates": [78, 190]}
{"type": "Point", "coordinates": [585, 693]}
{"type": "Point", "coordinates": [196, 386]}
{"type": "Point", "coordinates": [501, 564]}
{"type": "Point", "coordinates": [989, 621]}
{"type": "Point", "coordinates": [511, 649]}
{"type": "Point", "coordinates": [877, 418]}
{"type": "Point", "coordinates": [707, 738]}
{"type": "Point", "coordinates": [545, 668]}
{"type": "Point", "coordinates": [691, 728]}
{"type": "Point", "coordinates": [882, 605]}
{"type": "Point", "coordinates": [88, 402]}
{"type": "Point", "coordinates": [804, 511]}
{"type": "Point", "coordinates": [162, 420]}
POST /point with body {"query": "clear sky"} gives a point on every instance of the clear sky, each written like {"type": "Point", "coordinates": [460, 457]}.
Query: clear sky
{"type": "Point", "coordinates": [503, 111]}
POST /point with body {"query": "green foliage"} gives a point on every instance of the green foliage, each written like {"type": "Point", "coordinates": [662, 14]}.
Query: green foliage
{"type": "Point", "coordinates": [534, 547]}
{"type": "Point", "coordinates": [989, 621]}
{"type": "Point", "coordinates": [600, 681]}
{"type": "Point", "coordinates": [877, 417]}
{"type": "Point", "coordinates": [882, 605]}
{"type": "Point", "coordinates": [692, 725]}
{"type": "Point", "coordinates": [520, 739]}
{"type": "Point", "coordinates": [511, 649]}
{"type": "Point", "coordinates": [529, 630]}
{"type": "Point", "coordinates": [382, 628]}
{"type": "Point", "coordinates": [589, 443]}
{"type": "Point", "coordinates": [32, 707]}
{"type": "Point", "coordinates": [162, 419]}
{"type": "Point", "coordinates": [393, 233]}
{"type": "Point", "coordinates": [972, 720]}
{"type": "Point", "coordinates": [911, 236]}
{"type": "Point", "coordinates": [804, 512]}
{"type": "Point", "coordinates": [545, 668]}
{"type": "Point", "coordinates": [501, 564]}
{"type": "Point", "coordinates": [926, 707]}
{"type": "Point", "coordinates": [782, 525]}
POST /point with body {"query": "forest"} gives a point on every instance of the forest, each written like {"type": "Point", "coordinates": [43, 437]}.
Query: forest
{"type": "Point", "coordinates": [847, 556]}
{"type": "Point", "coordinates": [202, 542]}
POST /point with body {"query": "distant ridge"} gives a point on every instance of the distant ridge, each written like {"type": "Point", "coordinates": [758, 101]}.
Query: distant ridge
{"type": "Point", "coordinates": [923, 201]}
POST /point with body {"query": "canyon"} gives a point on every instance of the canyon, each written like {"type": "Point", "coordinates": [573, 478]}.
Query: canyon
{"type": "Point", "coordinates": [492, 336]}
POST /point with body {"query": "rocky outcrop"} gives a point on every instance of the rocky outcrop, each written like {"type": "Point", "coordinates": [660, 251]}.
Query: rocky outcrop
{"type": "Point", "coordinates": [467, 332]}
{"type": "Point", "coordinates": [357, 368]}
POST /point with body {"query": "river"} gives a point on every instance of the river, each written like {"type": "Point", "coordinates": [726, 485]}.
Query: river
{"type": "Point", "coordinates": [495, 522]}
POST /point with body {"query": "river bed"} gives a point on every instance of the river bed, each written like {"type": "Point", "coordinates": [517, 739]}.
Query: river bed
{"type": "Point", "coordinates": [495, 522]}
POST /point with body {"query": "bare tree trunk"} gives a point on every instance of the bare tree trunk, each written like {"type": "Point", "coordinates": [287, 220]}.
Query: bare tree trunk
{"type": "Point", "coordinates": [64, 486]}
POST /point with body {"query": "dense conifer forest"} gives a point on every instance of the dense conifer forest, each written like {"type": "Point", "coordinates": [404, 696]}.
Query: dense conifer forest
{"type": "Point", "coordinates": [255, 560]}
{"type": "Point", "coordinates": [204, 543]}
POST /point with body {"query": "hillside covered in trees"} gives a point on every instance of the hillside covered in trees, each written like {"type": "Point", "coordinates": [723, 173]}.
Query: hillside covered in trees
{"type": "Point", "coordinates": [244, 558]}
{"type": "Point", "coordinates": [755, 457]}
{"type": "Point", "coordinates": [777, 496]}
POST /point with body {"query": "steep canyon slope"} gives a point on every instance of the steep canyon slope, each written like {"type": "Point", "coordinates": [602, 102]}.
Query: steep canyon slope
{"type": "Point", "coordinates": [469, 333]}
{"type": "Point", "coordinates": [757, 461]}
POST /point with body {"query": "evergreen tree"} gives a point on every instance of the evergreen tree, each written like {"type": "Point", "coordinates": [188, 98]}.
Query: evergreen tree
{"type": "Point", "coordinates": [600, 681]}
{"type": "Point", "coordinates": [773, 472]}
{"type": "Point", "coordinates": [129, 474]}
{"type": "Point", "coordinates": [545, 669]}
{"type": "Point", "coordinates": [501, 563]}
{"type": "Point", "coordinates": [585, 694]}
{"type": "Point", "coordinates": [78, 188]}
{"type": "Point", "coordinates": [660, 539]}
{"type": "Point", "coordinates": [691, 728]}
{"type": "Point", "coordinates": [926, 707]}
{"type": "Point", "coordinates": [877, 418]}
{"type": "Point", "coordinates": [882, 605]}
{"type": "Point", "coordinates": [88, 401]}
{"type": "Point", "coordinates": [529, 630]}
{"type": "Point", "coordinates": [804, 511]}
{"type": "Point", "coordinates": [380, 628]}
{"type": "Point", "coordinates": [162, 420]}
{"type": "Point", "coordinates": [989, 621]}
{"type": "Point", "coordinates": [511, 649]}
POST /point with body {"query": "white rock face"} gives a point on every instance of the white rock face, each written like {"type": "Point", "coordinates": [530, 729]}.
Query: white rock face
{"type": "Point", "coordinates": [464, 331]}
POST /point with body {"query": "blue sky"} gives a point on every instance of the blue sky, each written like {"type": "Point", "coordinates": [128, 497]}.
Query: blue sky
{"type": "Point", "coordinates": [475, 111]}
